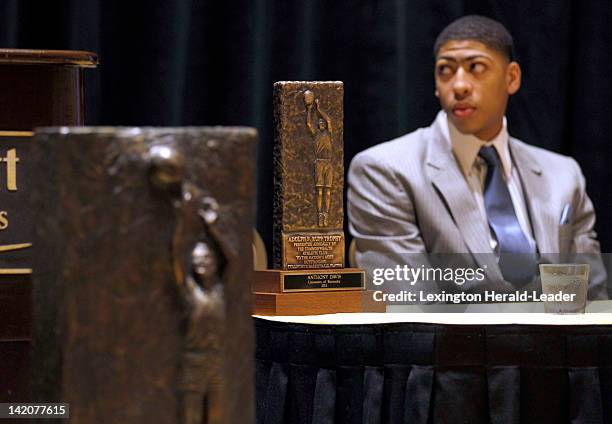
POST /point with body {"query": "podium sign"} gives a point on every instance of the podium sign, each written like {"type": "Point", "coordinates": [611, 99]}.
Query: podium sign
{"type": "Point", "coordinates": [15, 220]}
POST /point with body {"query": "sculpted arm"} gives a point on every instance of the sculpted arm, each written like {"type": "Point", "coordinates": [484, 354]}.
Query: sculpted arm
{"type": "Point", "coordinates": [325, 116]}
{"type": "Point", "coordinates": [209, 213]}
{"type": "Point", "coordinates": [310, 111]}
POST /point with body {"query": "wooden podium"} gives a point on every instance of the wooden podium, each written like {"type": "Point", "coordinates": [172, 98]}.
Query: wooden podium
{"type": "Point", "coordinates": [37, 88]}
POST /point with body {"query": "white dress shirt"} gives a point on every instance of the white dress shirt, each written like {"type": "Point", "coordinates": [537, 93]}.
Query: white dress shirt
{"type": "Point", "coordinates": [465, 147]}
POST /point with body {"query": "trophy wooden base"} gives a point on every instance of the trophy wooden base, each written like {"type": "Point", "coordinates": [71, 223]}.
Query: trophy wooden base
{"type": "Point", "coordinates": [315, 302]}
{"type": "Point", "coordinates": [312, 292]}
{"type": "Point", "coordinates": [308, 280]}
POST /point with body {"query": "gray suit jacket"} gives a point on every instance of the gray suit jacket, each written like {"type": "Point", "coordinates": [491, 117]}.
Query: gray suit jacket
{"type": "Point", "coordinates": [409, 201]}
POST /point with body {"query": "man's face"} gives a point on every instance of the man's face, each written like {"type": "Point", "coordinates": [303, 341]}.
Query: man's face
{"type": "Point", "coordinates": [473, 83]}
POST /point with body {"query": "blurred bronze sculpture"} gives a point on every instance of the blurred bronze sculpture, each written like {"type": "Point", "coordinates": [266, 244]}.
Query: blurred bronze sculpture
{"type": "Point", "coordinates": [199, 276]}
{"type": "Point", "coordinates": [141, 299]}
{"type": "Point", "coordinates": [199, 379]}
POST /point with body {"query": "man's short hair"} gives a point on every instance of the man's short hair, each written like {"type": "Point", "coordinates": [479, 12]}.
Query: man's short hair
{"type": "Point", "coordinates": [478, 28]}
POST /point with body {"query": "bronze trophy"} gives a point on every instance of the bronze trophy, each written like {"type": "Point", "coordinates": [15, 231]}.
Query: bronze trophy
{"type": "Point", "coordinates": [309, 274]}
{"type": "Point", "coordinates": [139, 286]}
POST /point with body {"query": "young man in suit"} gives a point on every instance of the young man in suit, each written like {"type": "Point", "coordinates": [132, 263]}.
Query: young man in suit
{"type": "Point", "coordinates": [464, 186]}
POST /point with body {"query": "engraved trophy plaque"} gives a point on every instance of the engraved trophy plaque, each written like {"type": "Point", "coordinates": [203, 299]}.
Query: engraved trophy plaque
{"type": "Point", "coordinates": [308, 239]}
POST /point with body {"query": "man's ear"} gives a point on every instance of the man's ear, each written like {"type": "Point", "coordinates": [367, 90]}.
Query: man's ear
{"type": "Point", "coordinates": [437, 93]}
{"type": "Point", "coordinates": [513, 77]}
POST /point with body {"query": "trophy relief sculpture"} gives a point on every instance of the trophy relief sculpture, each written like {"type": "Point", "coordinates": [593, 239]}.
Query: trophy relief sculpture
{"type": "Point", "coordinates": [320, 127]}
{"type": "Point", "coordinates": [308, 232]}
{"type": "Point", "coordinates": [199, 256]}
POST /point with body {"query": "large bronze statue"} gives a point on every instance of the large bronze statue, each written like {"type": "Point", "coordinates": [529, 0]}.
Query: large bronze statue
{"type": "Point", "coordinates": [141, 300]}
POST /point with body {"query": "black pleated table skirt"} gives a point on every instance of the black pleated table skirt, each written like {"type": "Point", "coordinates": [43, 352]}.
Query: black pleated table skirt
{"type": "Point", "coordinates": [433, 373]}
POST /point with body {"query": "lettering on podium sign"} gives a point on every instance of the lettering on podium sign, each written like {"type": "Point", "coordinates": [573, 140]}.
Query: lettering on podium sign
{"type": "Point", "coordinates": [15, 222]}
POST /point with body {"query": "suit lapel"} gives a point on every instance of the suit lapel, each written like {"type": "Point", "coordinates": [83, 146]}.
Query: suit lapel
{"type": "Point", "coordinates": [444, 172]}
{"type": "Point", "coordinates": [536, 191]}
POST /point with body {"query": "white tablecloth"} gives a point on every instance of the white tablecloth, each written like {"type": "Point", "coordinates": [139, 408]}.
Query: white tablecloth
{"type": "Point", "coordinates": [598, 313]}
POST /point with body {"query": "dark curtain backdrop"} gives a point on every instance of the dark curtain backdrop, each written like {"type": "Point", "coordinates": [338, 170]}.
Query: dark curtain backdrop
{"type": "Point", "coordinates": [205, 62]}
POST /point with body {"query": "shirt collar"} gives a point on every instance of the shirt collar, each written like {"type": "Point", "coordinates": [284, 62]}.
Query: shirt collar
{"type": "Point", "coordinates": [466, 146]}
